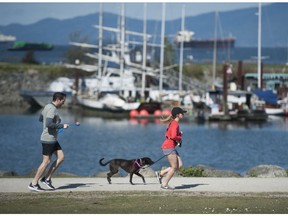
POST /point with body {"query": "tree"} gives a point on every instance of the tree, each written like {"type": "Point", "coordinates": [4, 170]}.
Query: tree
{"type": "Point", "coordinates": [169, 53]}
{"type": "Point", "coordinates": [76, 52]}
{"type": "Point", "coordinates": [29, 58]}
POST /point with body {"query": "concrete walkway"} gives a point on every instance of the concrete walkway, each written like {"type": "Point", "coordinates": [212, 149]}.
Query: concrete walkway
{"type": "Point", "coordinates": [233, 185]}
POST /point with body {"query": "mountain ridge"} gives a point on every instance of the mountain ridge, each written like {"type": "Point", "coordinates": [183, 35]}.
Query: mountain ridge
{"type": "Point", "coordinates": [242, 23]}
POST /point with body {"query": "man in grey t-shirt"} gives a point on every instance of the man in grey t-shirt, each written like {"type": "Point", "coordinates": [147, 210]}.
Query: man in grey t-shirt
{"type": "Point", "coordinates": [51, 123]}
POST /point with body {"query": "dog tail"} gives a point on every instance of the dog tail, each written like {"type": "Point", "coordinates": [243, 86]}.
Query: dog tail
{"type": "Point", "coordinates": [103, 164]}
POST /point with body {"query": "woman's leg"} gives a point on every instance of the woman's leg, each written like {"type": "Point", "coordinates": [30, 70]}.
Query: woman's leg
{"type": "Point", "coordinates": [180, 163]}
{"type": "Point", "coordinates": [164, 171]}
{"type": "Point", "coordinates": [173, 160]}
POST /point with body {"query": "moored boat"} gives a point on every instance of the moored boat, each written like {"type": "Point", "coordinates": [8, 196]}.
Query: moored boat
{"type": "Point", "coordinates": [25, 46]}
{"type": "Point", "coordinates": [108, 103]}
{"type": "Point", "coordinates": [191, 42]}
{"type": "Point", "coordinates": [7, 38]}
{"type": "Point", "coordinates": [41, 98]}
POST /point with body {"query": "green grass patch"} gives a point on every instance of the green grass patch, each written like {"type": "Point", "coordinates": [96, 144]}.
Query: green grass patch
{"type": "Point", "coordinates": [192, 172]}
{"type": "Point", "coordinates": [162, 202]}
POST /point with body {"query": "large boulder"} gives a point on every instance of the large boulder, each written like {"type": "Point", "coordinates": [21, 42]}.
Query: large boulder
{"type": "Point", "coordinates": [56, 174]}
{"type": "Point", "coordinates": [212, 172]}
{"type": "Point", "coordinates": [7, 173]}
{"type": "Point", "coordinates": [266, 171]}
{"type": "Point", "coordinates": [104, 174]}
{"type": "Point", "coordinates": [147, 172]}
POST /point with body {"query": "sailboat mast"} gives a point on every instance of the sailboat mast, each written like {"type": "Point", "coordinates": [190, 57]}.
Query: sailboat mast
{"type": "Point", "coordinates": [259, 44]}
{"type": "Point", "coordinates": [100, 40]}
{"type": "Point", "coordinates": [214, 51]}
{"type": "Point", "coordinates": [162, 47]}
{"type": "Point", "coordinates": [181, 49]}
{"type": "Point", "coordinates": [122, 42]}
{"type": "Point", "coordinates": [144, 52]}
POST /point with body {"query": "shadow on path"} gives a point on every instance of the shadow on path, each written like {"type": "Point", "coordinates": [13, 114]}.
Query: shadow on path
{"type": "Point", "coordinates": [187, 186]}
{"type": "Point", "coordinates": [77, 185]}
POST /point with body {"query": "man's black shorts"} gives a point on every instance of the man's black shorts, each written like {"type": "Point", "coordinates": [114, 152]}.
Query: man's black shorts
{"type": "Point", "coordinates": [49, 149]}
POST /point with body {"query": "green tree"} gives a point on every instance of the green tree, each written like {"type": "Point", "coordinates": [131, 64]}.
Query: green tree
{"type": "Point", "coordinates": [29, 58]}
{"type": "Point", "coordinates": [169, 53]}
{"type": "Point", "coordinates": [77, 52]}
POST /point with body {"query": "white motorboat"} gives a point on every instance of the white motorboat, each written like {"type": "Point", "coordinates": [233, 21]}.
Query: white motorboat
{"type": "Point", "coordinates": [109, 103]}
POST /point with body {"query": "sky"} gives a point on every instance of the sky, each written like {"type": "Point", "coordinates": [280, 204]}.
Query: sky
{"type": "Point", "coordinates": [30, 12]}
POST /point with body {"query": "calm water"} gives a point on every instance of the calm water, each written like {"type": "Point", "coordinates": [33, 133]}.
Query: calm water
{"type": "Point", "coordinates": [272, 55]}
{"type": "Point", "coordinates": [236, 147]}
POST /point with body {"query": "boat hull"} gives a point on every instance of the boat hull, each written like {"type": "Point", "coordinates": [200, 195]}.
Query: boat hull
{"type": "Point", "coordinates": [275, 111]}
{"type": "Point", "coordinates": [209, 43]}
{"type": "Point", "coordinates": [108, 105]}
{"type": "Point", "coordinates": [24, 46]}
{"type": "Point", "coordinates": [41, 98]}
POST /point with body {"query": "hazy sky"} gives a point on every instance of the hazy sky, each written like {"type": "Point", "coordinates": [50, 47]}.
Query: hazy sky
{"type": "Point", "coordinates": [31, 12]}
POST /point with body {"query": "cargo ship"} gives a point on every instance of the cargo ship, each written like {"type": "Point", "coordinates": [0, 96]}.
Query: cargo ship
{"type": "Point", "coordinates": [190, 42]}
{"type": "Point", "coordinates": [23, 46]}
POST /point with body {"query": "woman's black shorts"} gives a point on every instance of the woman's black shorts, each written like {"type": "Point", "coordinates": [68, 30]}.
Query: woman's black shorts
{"type": "Point", "coordinates": [49, 149]}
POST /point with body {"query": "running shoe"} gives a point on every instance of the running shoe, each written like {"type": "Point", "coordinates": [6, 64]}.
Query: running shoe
{"type": "Point", "coordinates": [158, 177]}
{"type": "Point", "coordinates": [48, 183]}
{"type": "Point", "coordinates": [35, 187]}
{"type": "Point", "coordinates": [167, 187]}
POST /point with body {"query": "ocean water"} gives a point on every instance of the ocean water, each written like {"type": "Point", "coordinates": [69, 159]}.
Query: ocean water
{"type": "Point", "coordinates": [222, 145]}
{"type": "Point", "coordinates": [271, 55]}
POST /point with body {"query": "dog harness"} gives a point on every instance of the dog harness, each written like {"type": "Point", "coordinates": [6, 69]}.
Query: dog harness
{"type": "Point", "coordinates": [137, 164]}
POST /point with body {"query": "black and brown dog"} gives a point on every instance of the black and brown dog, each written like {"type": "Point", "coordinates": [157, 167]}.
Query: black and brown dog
{"type": "Point", "coordinates": [130, 166]}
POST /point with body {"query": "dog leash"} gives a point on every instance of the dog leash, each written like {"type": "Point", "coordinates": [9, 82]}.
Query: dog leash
{"type": "Point", "coordinates": [159, 159]}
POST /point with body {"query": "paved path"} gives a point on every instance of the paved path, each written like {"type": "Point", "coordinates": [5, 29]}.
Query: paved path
{"type": "Point", "coordinates": [238, 185]}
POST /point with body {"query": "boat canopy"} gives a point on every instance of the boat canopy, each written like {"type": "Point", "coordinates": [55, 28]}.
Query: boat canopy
{"type": "Point", "coordinates": [268, 76]}
{"type": "Point", "coordinates": [267, 95]}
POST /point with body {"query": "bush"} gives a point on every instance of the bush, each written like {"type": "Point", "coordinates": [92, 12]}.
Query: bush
{"type": "Point", "coordinates": [192, 172]}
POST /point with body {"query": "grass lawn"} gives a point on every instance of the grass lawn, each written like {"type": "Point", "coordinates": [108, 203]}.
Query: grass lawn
{"type": "Point", "coordinates": [162, 202]}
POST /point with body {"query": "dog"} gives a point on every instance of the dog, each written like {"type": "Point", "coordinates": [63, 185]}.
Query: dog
{"type": "Point", "coordinates": [130, 166]}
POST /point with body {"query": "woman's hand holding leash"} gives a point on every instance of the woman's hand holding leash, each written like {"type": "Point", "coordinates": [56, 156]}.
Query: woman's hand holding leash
{"type": "Point", "coordinates": [179, 142]}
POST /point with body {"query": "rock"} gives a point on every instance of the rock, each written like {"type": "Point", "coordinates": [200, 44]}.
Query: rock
{"type": "Point", "coordinates": [104, 174]}
{"type": "Point", "coordinates": [56, 174]}
{"type": "Point", "coordinates": [266, 171]}
{"type": "Point", "coordinates": [147, 172]}
{"type": "Point", "coordinates": [212, 172]}
{"type": "Point", "coordinates": [7, 173]}
{"type": "Point", "coordinates": [63, 174]}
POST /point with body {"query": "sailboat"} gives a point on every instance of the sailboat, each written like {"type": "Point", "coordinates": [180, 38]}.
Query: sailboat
{"type": "Point", "coordinates": [113, 87]}
{"type": "Point", "coordinates": [230, 104]}
{"type": "Point", "coordinates": [267, 98]}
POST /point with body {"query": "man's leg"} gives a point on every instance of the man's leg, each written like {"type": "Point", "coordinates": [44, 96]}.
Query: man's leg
{"type": "Point", "coordinates": [41, 169]}
{"type": "Point", "coordinates": [59, 159]}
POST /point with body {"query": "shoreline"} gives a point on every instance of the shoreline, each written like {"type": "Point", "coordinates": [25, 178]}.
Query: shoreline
{"type": "Point", "coordinates": [261, 171]}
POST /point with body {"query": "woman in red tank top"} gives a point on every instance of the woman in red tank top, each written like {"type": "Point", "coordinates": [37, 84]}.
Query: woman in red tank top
{"type": "Point", "coordinates": [173, 138]}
